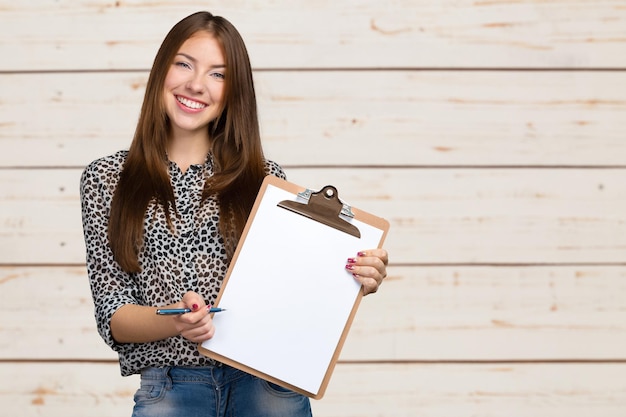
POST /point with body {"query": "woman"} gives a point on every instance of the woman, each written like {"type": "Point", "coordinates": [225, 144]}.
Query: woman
{"type": "Point", "coordinates": [162, 220]}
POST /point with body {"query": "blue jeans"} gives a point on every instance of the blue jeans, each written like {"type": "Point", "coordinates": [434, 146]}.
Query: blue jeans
{"type": "Point", "coordinates": [214, 391]}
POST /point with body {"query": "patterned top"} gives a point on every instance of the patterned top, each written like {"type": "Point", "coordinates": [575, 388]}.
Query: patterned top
{"type": "Point", "coordinates": [191, 258]}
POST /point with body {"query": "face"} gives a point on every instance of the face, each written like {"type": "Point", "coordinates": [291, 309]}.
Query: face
{"type": "Point", "coordinates": [194, 85]}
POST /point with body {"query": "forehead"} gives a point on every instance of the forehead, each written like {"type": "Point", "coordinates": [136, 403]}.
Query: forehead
{"type": "Point", "coordinates": [203, 46]}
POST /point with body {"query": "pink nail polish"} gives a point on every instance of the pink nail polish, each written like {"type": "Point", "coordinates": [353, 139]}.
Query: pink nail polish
{"type": "Point", "coordinates": [350, 266]}
{"type": "Point", "coordinates": [351, 260]}
{"type": "Point", "coordinates": [362, 253]}
{"type": "Point", "coordinates": [194, 307]}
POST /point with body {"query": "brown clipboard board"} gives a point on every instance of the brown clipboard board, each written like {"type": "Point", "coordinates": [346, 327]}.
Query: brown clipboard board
{"type": "Point", "coordinates": [319, 222]}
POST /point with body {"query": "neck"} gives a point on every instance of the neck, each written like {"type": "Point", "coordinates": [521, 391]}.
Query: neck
{"type": "Point", "coordinates": [188, 150]}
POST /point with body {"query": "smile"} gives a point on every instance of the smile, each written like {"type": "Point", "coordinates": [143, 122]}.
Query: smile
{"type": "Point", "coordinates": [190, 103]}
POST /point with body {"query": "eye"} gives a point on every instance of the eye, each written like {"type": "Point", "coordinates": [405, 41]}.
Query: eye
{"type": "Point", "coordinates": [182, 64]}
{"type": "Point", "coordinates": [218, 75]}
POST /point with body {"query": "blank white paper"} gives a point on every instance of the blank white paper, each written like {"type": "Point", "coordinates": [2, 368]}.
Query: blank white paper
{"type": "Point", "coordinates": [289, 296]}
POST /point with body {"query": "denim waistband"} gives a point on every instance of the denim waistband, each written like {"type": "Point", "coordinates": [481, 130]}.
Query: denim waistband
{"type": "Point", "coordinates": [218, 374]}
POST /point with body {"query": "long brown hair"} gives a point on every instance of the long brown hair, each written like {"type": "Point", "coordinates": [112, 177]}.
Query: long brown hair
{"type": "Point", "coordinates": [236, 146]}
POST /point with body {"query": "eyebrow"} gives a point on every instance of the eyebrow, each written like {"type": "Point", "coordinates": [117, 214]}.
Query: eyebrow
{"type": "Point", "coordinates": [194, 60]}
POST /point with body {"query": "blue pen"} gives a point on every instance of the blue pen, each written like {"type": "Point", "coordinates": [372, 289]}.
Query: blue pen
{"type": "Point", "coordinates": [176, 311]}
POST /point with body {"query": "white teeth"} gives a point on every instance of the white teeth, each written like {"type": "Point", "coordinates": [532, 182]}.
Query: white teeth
{"type": "Point", "coordinates": [190, 103]}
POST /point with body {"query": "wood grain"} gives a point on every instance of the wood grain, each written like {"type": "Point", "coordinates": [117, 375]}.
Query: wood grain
{"type": "Point", "coordinates": [58, 35]}
{"type": "Point", "coordinates": [489, 133]}
{"type": "Point", "coordinates": [501, 390]}
{"type": "Point", "coordinates": [399, 390]}
{"type": "Point", "coordinates": [540, 313]}
{"type": "Point", "coordinates": [361, 118]}
{"type": "Point", "coordinates": [437, 215]}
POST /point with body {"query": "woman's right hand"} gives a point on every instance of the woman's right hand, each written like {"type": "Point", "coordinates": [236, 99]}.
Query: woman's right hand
{"type": "Point", "coordinates": [196, 326]}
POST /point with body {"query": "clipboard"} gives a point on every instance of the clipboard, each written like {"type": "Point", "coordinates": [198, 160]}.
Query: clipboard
{"type": "Point", "coordinates": [290, 301]}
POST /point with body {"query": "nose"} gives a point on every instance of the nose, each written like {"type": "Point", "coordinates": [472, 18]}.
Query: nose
{"type": "Point", "coordinates": [196, 83]}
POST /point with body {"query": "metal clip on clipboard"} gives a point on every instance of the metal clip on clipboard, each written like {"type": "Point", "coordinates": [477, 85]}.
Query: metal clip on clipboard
{"type": "Point", "coordinates": [325, 207]}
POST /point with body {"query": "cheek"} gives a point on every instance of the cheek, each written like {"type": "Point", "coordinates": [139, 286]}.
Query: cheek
{"type": "Point", "coordinates": [169, 82]}
{"type": "Point", "coordinates": [217, 92]}
{"type": "Point", "coordinates": [164, 98]}
{"type": "Point", "coordinates": [174, 78]}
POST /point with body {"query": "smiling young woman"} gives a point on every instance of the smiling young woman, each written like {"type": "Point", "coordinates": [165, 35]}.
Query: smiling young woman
{"type": "Point", "coordinates": [162, 220]}
{"type": "Point", "coordinates": [193, 93]}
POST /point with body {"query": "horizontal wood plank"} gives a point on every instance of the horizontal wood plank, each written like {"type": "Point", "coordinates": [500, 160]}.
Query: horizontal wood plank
{"type": "Point", "coordinates": [49, 315]}
{"type": "Point", "coordinates": [51, 34]}
{"type": "Point", "coordinates": [400, 390]}
{"type": "Point", "coordinates": [365, 118]}
{"type": "Point", "coordinates": [65, 390]}
{"type": "Point", "coordinates": [436, 215]}
{"type": "Point", "coordinates": [541, 390]}
{"type": "Point", "coordinates": [419, 314]}
{"type": "Point", "coordinates": [493, 313]}
{"type": "Point", "coordinates": [489, 215]}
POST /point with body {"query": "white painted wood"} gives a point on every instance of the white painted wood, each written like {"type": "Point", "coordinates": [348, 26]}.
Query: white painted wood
{"type": "Point", "coordinates": [399, 390]}
{"type": "Point", "coordinates": [344, 118]}
{"type": "Point", "coordinates": [80, 34]}
{"type": "Point", "coordinates": [48, 314]}
{"type": "Point", "coordinates": [65, 389]}
{"type": "Point", "coordinates": [443, 118]}
{"type": "Point", "coordinates": [41, 217]}
{"type": "Point", "coordinates": [353, 77]}
{"type": "Point", "coordinates": [506, 390]}
{"type": "Point", "coordinates": [493, 313]}
{"type": "Point", "coordinates": [488, 215]}
{"type": "Point", "coordinates": [67, 119]}
{"type": "Point", "coordinates": [436, 215]}
{"type": "Point", "coordinates": [420, 313]}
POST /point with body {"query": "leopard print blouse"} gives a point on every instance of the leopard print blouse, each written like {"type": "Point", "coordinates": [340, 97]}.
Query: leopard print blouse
{"type": "Point", "coordinates": [192, 257]}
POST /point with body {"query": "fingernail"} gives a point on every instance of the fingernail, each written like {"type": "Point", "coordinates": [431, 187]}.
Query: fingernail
{"type": "Point", "coordinates": [194, 307]}
{"type": "Point", "coordinates": [351, 260]}
{"type": "Point", "coordinates": [362, 253]}
{"type": "Point", "coordinates": [349, 266]}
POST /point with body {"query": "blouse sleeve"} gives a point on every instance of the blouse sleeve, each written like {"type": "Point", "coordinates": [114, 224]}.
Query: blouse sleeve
{"type": "Point", "coordinates": [272, 168]}
{"type": "Point", "coordinates": [111, 287]}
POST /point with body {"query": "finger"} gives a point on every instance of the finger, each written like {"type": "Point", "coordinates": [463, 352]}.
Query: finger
{"type": "Point", "coordinates": [369, 277]}
{"type": "Point", "coordinates": [369, 266]}
{"type": "Point", "coordinates": [369, 269]}
{"type": "Point", "coordinates": [193, 301]}
{"type": "Point", "coordinates": [369, 285]}
{"type": "Point", "coordinates": [203, 336]}
{"type": "Point", "coordinates": [196, 318]}
{"type": "Point", "coordinates": [199, 333]}
{"type": "Point", "coordinates": [379, 253]}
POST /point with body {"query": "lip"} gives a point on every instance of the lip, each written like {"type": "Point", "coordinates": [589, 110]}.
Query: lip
{"type": "Point", "coordinates": [186, 108]}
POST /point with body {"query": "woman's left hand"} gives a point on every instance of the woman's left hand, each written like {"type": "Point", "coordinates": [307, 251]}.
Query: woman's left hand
{"type": "Point", "coordinates": [369, 267]}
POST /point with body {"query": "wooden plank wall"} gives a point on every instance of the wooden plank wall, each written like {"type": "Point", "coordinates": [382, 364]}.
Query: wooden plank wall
{"type": "Point", "coordinates": [489, 133]}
